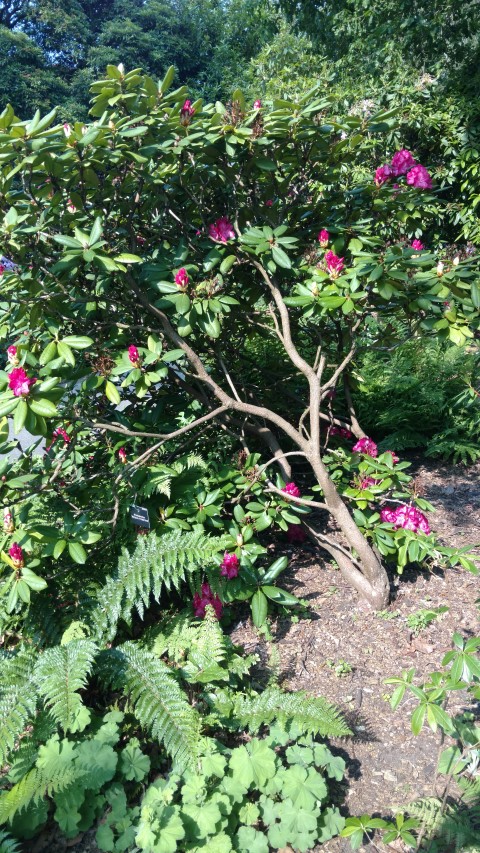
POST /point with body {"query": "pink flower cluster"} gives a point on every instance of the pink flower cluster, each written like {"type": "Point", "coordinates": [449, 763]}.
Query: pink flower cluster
{"type": "Point", "coordinates": [221, 230]}
{"type": "Point", "coordinates": [122, 455]}
{"type": "Point", "coordinates": [257, 105]}
{"type": "Point", "coordinates": [367, 446]}
{"type": "Point", "coordinates": [417, 245]}
{"type": "Point", "coordinates": [296, 533]}
{"type": "Point", "coordinates": [181, 278]}
{"type": "Point", "coordinates": [342, 432]}
{"type": "Point", "coordinates": [403, 163]}
{"type": "Point", "coordinates": [334, 264]}
{"type": "Point", "coordinates": [19, 382]}
{"type": "Point", "coordinates": [292, 490]}
{"type": "Point", "coordinates": [408, 517]}
{"type": "Point", "coordinates": [230, 566]}
{"type": "Point", "coordinates": [134, 355]}
{"type": "Point", "coordinates": [16, 554]}
{"type": "Point", "coordinates": [323, 238]}
{"type": "Point", "coordinates": [200, 601]}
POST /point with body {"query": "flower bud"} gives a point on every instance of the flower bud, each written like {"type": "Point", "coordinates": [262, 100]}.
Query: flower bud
{"type": "Point", "coordinates": [16, 554]}
{"type": "Point", "coordinates": [239, 540]}
{"type": "Point", "coordinates": [440, 268]}
{"type": "Point", "coordinates": [456, 261]}
{"type": "Point", "coordinates": [8, 522]}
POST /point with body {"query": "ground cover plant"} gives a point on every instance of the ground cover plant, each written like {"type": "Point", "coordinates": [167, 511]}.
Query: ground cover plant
{"type": "Point", "coordinates": [184, 291]}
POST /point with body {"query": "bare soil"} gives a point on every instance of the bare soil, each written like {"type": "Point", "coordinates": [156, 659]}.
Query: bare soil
{"type": "Point", "coordinates": [387, 766]}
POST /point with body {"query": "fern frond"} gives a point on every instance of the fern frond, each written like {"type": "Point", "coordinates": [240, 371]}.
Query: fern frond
{"type": "Point", "coordinates": [210, 643]}
{"type": "Point", "coordinates": [60, 673]}
{"type": "Point", "coordinates": [156, 699]}
{"type": "Point", "coordinates": [18, 698]}
{"type": "Point", "coordinates": [157, 561]}
{"type": "Point", "coordinates": [7, 843]}
{"type": "Point", "coordinates": [454, 826]}
{"type": "Point", "coordinates": [308, 712]}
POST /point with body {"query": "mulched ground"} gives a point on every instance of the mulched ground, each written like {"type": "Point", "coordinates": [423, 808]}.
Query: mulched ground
{"type": "Point", "coordinates": [386, 765]}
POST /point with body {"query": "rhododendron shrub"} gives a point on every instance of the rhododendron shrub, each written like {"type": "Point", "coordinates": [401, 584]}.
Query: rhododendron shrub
{"type": "Point", "coordinates": [188, 291]}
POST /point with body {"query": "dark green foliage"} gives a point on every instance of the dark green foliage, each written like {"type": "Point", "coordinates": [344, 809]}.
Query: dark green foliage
{"type": "Point", "coordinates": [7, 843]}
{"type": "Point", "coordinates": [421, 394]}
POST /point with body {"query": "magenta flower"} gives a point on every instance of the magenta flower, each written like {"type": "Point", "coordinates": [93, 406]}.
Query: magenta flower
{"type": "Point", "coordinates": [12, 355]}
{"type": "Point", "coordinates": [16, 554]}
{"type": "Point", "coordinates": [2, 269]}
{"type": "Point", "coordinates": [122, 455]}
{"type": "Point", "coordinates": [257, 105]}
{"type": "Point", "coordinates": [67, 129]}
{"type": "Point", "coordinates": [419, 177]}
{"type": "Point", "coordinates": [382, 174]}
{"type": "Point", "coordinates": [221, 230]}
{"type": "Point", "coordinates": [60, 432]}
{"type": "Point", "coordinates": [408, 517]}
{"type": "Point", "coordinates": [181, 278]}
{"type": "Point", "coordinates": [296, 533]}
{"type": "Point", "coordinates": [342, 432]}
{"type": "Point", "coordinates": [70, 206]}
{"type": "Point", "coordinates": [269, 202]}
{"type": "Point", "coordinates": [387, 514]}
{"type": "Point", "coordinates": [323, 238]}
{"type": "Point", "coordinates": [19, 382]}
{"type": "Point", "coordinates": [334, 264]}
{"type": "Point", "coordinates": [134, 355]}
{"type": "Point", "coordinates": [230, 566]}
{"type": "Point", "coordinates": [402, 161]}
{"type": "Point", "coordinates": [417, 245]}
{"type": "Point", "coordinates": [366, 482]}
{"type": "Point", "coordinates": [200, 601]}
{"type": "Point", "coordinates": [367, 446]}
{"type": "Point", "coordinates": [292, 490]}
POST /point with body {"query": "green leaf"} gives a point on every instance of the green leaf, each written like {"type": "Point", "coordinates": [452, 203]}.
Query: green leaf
{"type": "Point", "coordinates": [59, 548]}
{"type": "Point", "coordinates": [126, 258]}
{"type": "Point", "coordinates": [43, 407]}
{"type": "Point", "coordinates": [304, 787]}
{"type": "Point", "coordinates": [112, 393]}
{"type": "Point", "coordinates": [166, 83]}
{"type": "Point", "coordinates": [48, 353]}
{"type": "Point", "coordinates": [77, 552]}
{"type": "Point", "coordinates": [254, 764]}
{"type": "Point", "coordinates": [249, 840]}
{"type": "Point", "coordinates": [275, 569]}
{"type": "Point", "coordinates": [281, 258]}
{"type": "Point", "coordinates": [418, 718]}
{"type": "Point", "coordinates": [259, 606]}
{"type": "Point", "coordinates": [280, 596]}
{"type": "Point", "coordinates": [78, 341]}
{"type": "Point", "coordinates": [66, 353]}
{"type": "Point", "coordinates": [7, 406]}
{"type": "Point", "coordinates": [133, 763]}
{"type": "Point", "coordinates": [32, 580]}
{"type": "Point", "coordinates": [20, 416]}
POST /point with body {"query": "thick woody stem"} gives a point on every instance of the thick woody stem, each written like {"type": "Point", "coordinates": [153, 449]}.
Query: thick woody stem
{"type": "Point", "coordinates": [372, 581]}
